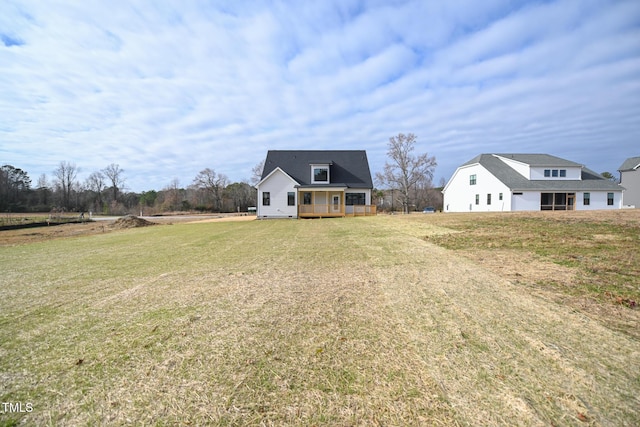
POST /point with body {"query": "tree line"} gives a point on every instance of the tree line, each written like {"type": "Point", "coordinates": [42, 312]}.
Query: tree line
{"type": "Point", "coordinates": [104, 192]}
{"type": "Point", "coordinates": [406, 183]}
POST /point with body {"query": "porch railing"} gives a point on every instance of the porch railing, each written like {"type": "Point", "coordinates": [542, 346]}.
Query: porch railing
{"type": "Point", "coordinates": [360, 210]}
{"type": "Point", "coordinates": [321, 209]}
{"type": "Point", "coordinates": [337, 210]}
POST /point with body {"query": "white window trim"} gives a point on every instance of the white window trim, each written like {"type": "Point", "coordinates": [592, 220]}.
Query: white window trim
{"type": "Point", "coordinates": [320, 166]}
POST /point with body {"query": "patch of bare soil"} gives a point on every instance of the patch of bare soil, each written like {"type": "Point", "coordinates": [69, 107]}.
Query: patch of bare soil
{"type": "Point", "coordinates": [32, 235]}
{"type": "Point", "coordinates": [131, 221]}
{"type": "Point", "coordinates": [225, 218]}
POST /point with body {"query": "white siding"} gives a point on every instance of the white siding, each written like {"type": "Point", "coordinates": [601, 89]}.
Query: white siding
{"type": "Point", "coordinates": [574, 174]}
{"type": "Point", "coordinates": [598, 200]}
{"type": "Point", "coordinates": [530, 200]}
{"type": "Point", "coordinates": [630, 180]}
{"type": "Point", "coordinates": [278, 185]}
{"type": "Point", "coordinates": [525, 201]}
{"type": "Point", "coordinates": [460, 195]}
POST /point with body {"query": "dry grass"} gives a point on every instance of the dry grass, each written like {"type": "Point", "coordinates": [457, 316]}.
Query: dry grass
{"type": "Point", "coordinates": [333, 322]}
{"type": "Point", "coordinates": [587, 260]}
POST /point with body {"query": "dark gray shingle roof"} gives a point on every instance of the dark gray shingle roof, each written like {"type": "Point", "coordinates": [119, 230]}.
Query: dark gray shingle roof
{"type": "Point", "coordinates": [630, 164]}
{"type": "Point", "coordinates": [508, 176]}
{"type": "Point", "coordinates": [348, 167]}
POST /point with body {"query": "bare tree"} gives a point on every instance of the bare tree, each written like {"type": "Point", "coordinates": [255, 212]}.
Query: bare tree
{"type": "Point", "coordinates": [95, 183]}
{"type": "Point", "coordinates": [256, 172]}
{"type": "Point", "coordinates": [172, 195]}
{"type": "Point", "coordinates": [114, 173]}
{"type": "Point", "coordinates": [66, 175]}
{"type": "Point", "coordinates": [43, 190]}
{"type": "Point", "coordinates": [405, 170]}
{"type": "Point", "coordinates": [212, 184]}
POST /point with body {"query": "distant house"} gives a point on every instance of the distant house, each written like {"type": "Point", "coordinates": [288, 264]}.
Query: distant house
{"type": "Point", "coordinates": [528, 182]}
{"type": "Point", "coordinates": [630, 179]}
{"type": "Point", "coordinates": [307, 184]}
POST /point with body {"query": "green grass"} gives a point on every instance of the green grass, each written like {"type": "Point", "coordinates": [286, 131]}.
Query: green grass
{"type": "Point", "coordinates": [603, 250]}
{"type": "Point", "coordinates": [319, 322]}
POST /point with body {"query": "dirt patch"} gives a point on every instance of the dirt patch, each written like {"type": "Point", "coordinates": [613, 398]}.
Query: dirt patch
{"type": "Point", "coordinates": [131, 221]}
{"type": "Point", "coordinates": [32, 235]}
{"type": "Point", "coordinates": [225, 218]}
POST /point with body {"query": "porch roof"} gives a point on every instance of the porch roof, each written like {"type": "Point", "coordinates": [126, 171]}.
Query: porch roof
{"type": "Point", "coordinates": [323, 187]}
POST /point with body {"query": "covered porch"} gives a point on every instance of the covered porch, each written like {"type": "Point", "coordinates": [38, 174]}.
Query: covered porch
{"type": "Point", "coordinates": [332, 203]}
{"type": "Point", "coordinates": [557, 201]}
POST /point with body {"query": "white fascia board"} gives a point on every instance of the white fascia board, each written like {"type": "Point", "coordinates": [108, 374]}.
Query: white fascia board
{"type": "Point", "coordinates": [456, 173]}
{"type": "Point", "coordinates": [277, 169]}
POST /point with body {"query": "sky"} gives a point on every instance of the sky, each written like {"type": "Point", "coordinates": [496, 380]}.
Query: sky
{"type": "Point", "coordinates": [165, 89]}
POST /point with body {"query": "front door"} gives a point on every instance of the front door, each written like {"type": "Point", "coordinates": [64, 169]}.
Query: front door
{"type": "Point", "coordinates": [335, 206]}
{"type": "Point", "coordinates": [571, 198]}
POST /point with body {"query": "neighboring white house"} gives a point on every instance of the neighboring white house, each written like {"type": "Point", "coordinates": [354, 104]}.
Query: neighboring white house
{"type": "Point", "coordinates": [527, 182]}
{"type": "Point", "coordinates": [630, 178]}
{"type": "Point", "coordinates": [306, 183]}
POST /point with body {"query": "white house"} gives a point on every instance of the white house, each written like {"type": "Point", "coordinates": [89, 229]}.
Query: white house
{"type": "Point", "coordinates": [630, 178]}
{"type": "Point", "coordinates": [528, 182]}
{"type": "Point", "coordinates": [307, 183]}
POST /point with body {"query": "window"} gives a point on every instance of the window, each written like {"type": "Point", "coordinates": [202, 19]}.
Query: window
{"type": "Point", "coordinates": [354, 199]}
{"type": "Point", "coordinates": [489, 199]}
{"type": "Point", "coordinates": [547, 173]}
{"type": "Point", "coordinates": [320, 174]}
{"type": "Point", "coordinates": [554, 173]}
{"type": "Point", "coordinates": [557, 201]}
{"type": "Point", "coordinates": [500, 196]}
{"type": "Point", "coordinates": [266, 198]}
{"type": "Point", "coordinates": [291, 198]}
{"type": "Point", "coordinates": [477, 199]}
{"type": "Point", "coordinates": [563, 173]}
{"type": "Point", "coordinates": [306, 198]}
{"type": "Point", "coordinates": [586, 199]}
{"type": "Point", "coordinates": [472, 179]}
{"type": "Point", "coordinates": [610, 199]}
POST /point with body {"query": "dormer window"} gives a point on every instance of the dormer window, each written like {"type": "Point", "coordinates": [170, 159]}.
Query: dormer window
{"type": "Point", "coordinates": [320, 174]}
{"type": "Point", "coordinates": [555, 173]}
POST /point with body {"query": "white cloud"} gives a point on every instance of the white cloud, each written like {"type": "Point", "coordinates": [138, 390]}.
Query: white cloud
{"type": "Point", "coordinates": [167, 89]}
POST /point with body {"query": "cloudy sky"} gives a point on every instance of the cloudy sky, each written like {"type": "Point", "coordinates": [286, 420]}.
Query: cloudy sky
{"type": "Point", "coordinates": [168, 88]}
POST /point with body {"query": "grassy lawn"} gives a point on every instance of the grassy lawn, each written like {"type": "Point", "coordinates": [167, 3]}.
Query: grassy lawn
{"type": "Point", "coordinates": [358, 321]}
{"type": "Point", "coordinates": [602, 246]}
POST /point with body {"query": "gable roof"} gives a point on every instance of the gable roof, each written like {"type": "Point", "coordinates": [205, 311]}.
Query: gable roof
{"type": "Point", "coordinates": [537, 160]}
{"type": "Point", "coordinates": [508, 176]}
{"type": "Point", "coordinates": [632, 163]}
{"type": "Point", "coordinates": [349, 168]}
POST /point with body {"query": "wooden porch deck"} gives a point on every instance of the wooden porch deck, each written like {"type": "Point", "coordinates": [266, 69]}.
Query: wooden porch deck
{"type": "Point", "coordinates": [335, 211]}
